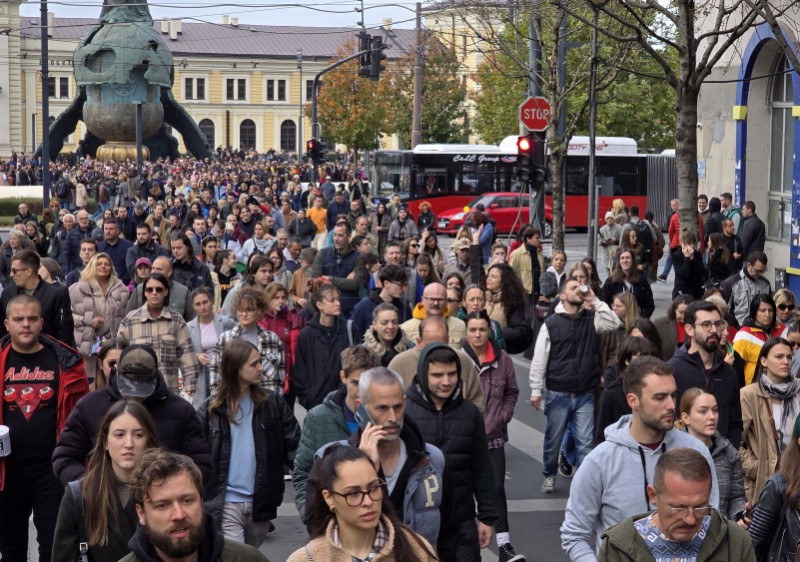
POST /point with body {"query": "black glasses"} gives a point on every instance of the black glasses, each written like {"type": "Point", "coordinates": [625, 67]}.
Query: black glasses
{"type": "Point", "coordinates": [413, 245]}
{"type": "Point", "coordinates": [158, 290]}
{"type": "Point", "coordinates": [783, 307]}
{"type": "Point", "coordinates": [719, 325]}
{"type": "Point", "coordinates": [356, 498]}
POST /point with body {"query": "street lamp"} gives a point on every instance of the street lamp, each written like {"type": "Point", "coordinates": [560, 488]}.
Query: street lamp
{"type": "Point", "coordinates": [300, 116]}
{"type": "Point", "coordinates": [592, 187]}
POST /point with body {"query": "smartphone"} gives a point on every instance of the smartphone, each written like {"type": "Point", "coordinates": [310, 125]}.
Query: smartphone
{"type": "Point", "coordinates": [363, 417]}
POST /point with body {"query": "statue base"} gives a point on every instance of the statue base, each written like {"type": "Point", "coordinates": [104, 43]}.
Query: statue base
{"type": "Point", "coordinates": [120, 152]}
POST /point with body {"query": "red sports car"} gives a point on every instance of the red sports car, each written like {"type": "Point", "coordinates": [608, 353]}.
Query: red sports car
{"type": "Point", "coordinates": [508, 209]}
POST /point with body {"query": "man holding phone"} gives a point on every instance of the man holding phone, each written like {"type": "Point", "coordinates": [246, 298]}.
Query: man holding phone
{"type": "Point", "coordinates": [413, 469]}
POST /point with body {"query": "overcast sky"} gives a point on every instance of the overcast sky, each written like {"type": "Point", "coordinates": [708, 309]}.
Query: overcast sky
{"type": "Point", "coordinates": [336, 13]}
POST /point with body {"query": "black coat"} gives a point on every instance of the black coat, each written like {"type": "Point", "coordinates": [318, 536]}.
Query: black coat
{"type": "Point", "coordinates": [641, 290]}
{"type": "Point", "coordinates": [721, 381]}
{"type": "Point", "coordinates": [316, 369]}
{"type": "Point", "coordinates": [177, 426]}
{"type": "Point", "coordinates": [613, 405]}
{"type": "Point", "coordinates": [56, 310]}
{"type": "Point", "coordinates": [194, 274]}
{"type": "Point", "coordinates": [690, 274]}
{"type": "Point", "coordinates": [276, 434]}
{"type": "Point", "coordinates": [753, 235]}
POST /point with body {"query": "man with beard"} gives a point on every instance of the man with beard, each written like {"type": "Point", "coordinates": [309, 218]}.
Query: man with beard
{"type": "Point", "coordinates": [143, 248]}
{"type": "Point", "coordinates": [701, 364]}
{"type": "Point", "coordinates": [167, 491]}
{"type": "Point", "coordinates": [611, 485]}
{"type": "Point", "coordinates": [567, 358]}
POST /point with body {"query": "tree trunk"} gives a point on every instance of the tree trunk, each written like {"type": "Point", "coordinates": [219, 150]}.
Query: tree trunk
{"type": "Point", "coordinates": [556, 164]}
{"type": "Point", "coordinates": [686, 156]}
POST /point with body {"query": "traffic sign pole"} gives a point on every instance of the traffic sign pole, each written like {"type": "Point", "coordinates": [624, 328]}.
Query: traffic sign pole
{"type": "Point", "coordinates": [534, 114]}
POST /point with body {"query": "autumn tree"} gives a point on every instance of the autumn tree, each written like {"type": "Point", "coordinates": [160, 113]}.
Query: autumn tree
{"type": "Point", "coordinates": [443, 95]}
{"type": "Point", "coordinates": [352, 110]}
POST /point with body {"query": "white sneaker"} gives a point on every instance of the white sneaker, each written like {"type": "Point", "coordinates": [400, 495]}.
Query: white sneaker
{"type": "Point", "coordinates": [549, 485]}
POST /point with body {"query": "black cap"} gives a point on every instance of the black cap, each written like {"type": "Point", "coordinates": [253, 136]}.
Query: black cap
{"type": "Point", "coordinates": [137, 371]}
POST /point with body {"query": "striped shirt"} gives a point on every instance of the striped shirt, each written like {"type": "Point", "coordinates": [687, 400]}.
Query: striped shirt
{"type": "Point", "coordinates": [169, 337]}
{"type": "Point", "coordinates": [273, 359]}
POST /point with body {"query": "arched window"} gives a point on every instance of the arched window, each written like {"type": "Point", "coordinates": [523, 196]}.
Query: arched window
{"type": "Point", "coordinates": [247, 135]}
{"type": "Point", "coordinates": [288, 135]}
{"type": "Point", "coordinates": [781, 152]}
{"type": "Point", "coordinates": [207, 126]}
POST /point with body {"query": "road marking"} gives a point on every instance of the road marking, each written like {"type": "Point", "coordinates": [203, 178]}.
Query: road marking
{"type": "Point", "coordinates": [527, 439]}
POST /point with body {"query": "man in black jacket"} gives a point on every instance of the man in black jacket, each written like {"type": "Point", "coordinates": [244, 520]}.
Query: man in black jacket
{"type": "Point", "coordinates": [701, 364]}
{"type": "Point", "coordinates": [56, 306]}
{"type": "Point", "coordinates": [177, 424]}
{"type": "Point", "coordinates": [143, 248]}
{"type": "Point", "coordinates": [336, 263]}
{"type": "Point", "coordinates": [446, 420]}
{"type": "Point", "coordinates": [754, 232]}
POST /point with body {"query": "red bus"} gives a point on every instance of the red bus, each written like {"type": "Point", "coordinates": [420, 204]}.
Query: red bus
{"type": "Point", "coordinates": [450, 176]}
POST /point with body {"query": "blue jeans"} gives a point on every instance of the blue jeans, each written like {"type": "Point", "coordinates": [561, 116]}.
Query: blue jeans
{"type": "Point", "coordinates": [567, 410]}
{"type": "Point", "coordinates": [667, 264]}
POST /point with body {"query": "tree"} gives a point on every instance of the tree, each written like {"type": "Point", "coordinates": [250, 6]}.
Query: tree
{"type": "Point", "coordinates": [697, 37]}
{"type": "Point", "coordinates": [352, 110]}
{"type": "Point", "coordinates": [443, 96]}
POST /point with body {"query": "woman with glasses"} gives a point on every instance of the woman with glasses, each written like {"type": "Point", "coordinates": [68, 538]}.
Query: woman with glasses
{"type": "Point", "coordinates": [411, 251]}
{"type": "Point", "coordinates": [759, 327]}
{"type": "Point", "coordinates": [251, 434]}
{"type": "Point", "coordinates": [98, 307]}
{"type": "Point", "coordinates": [353, 518]}
{"type": "Point", "coordinates": [699, 417]}
{"type": "Point", "coordinates": [769, 408]}
{"type": "Point", "coordinates": [785, 304]}
{"type": "Point", "coordinates": [775, 526]}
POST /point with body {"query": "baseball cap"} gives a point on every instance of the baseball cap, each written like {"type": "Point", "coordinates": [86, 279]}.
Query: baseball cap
{"type": "Point", "coordinates": [137, 371]}
{"type": "Point", "coordinates": [143, 261]}
{"type": "Point", "coordinates": [609, 214]}
{"type": "Point", "coordinates": [463, 243]}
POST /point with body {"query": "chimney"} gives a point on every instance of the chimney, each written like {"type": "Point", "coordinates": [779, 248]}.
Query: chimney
{"type": "Point", "coordinates": [165, 27]}
{"type": "Point", "coordinates": [173, 31]}
{"type": "Point", "coordinates": [50, 17]}
{"type": "Point", "coordinates": [225, 20]}
{"type": "Point", "coordinates": [234, 22]}
{"type": "Point", "coordinates": [178, 26]}
{"type": "Point", "coordinates": [387, 24]}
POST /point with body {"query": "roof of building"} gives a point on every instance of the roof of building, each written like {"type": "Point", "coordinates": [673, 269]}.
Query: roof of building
{"type": "Point", "coordinates": [261, 41]}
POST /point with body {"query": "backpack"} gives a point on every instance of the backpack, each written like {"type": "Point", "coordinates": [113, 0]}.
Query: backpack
{"type": "Point", "coordinates": [102, 194]}
{"type": "Point", "coordinates": [644, 236]}
{"type": "Point", "coordinates": [62, 190]}
{"type": "Point", "coordinates": [77, 501]}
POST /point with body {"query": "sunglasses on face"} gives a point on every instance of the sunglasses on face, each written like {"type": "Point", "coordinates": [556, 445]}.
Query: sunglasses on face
{"type": "Point", "coordinates": [783, 307]}
{"type": "Point", "coordinates": [158, 290]}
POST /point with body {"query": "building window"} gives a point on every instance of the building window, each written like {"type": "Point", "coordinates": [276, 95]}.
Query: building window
{"type": "Point", "coordinates": [288, 136]}
{"type": "Point", "coordinates": [236, 89]}
{"type": "Point", "coordinates": [247, 135]}
{"type": "Point", "coordinates": [194, 88]}
{"type": "Point", "coordinates": [207, 127]}
{"type": "Point", "coordinates": [309, 90]}
{"type": "Point", "coordinates": [58, 87]}
{"type": "Point", "coordinates": [276, 90]}
{"type": "Point", "coordinates": [781, 151]}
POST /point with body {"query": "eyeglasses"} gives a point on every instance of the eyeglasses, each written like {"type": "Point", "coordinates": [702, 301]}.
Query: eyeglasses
{"type": "Point", "coordinates": [682, 511]}
{"type": "Point", "coordinates": [453, 301]}
{"type": "Point", "coordinates": [434, 299]}
{"type": "Point", "coordinates": [158, 290]}
{"type": "Point", "coordinates": [15, 271]}
{"type": "Point", "coordinates": [783, 307]}
{"type": "Point", "coordinates": [355, 499]}
{"type": "Point", "coordinates": [413, 245]}
{"type": "Point", "coordinates": [719, 325]}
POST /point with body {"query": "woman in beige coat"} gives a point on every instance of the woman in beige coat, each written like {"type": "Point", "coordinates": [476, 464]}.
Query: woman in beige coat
{"type": "Point", "coordinates": [98, 306]}
{"type": "Point", "coordinates": [770, 405]}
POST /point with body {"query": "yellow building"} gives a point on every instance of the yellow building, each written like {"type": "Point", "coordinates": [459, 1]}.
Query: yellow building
{"type": "Point", "coordinates": [240, 82]}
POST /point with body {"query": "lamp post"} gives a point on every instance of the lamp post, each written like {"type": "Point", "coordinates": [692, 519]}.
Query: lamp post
{"type": "Point", "coordinates": [592, 187]}
{"type": "Point", "coordinates": [300, 116]}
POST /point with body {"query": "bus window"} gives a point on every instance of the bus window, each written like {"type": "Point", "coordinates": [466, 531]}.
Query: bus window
{"type": "Point", "coordinates": [390, 174]}
{"type": "Point", "coordinates": [431, 181]}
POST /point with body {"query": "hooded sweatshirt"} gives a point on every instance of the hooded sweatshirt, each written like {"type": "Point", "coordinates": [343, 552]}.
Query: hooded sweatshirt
{"type": "Point", "coordinates": [611, 485]}
{"type": "Point", "coordinates": [458, 430]}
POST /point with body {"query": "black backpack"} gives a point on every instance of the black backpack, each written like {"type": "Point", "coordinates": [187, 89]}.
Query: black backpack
{"type": "Point", "coordinates": [644, 236]}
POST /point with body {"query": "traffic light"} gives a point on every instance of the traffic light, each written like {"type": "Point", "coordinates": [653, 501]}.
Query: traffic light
{"type": "Point", "coordinates": [365, 60]}
{"type": "Point", "coordinates": [322, 148]}
{"type": "Point", "coordinates": [525, 146]}
{"type": "Point", "coordinates": [378, 56]}
{"type": "Point", "coordinates": [312, 149]}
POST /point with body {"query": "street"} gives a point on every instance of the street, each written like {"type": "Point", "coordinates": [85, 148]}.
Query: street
{"type": "Point", "coordinates": [534, 517]}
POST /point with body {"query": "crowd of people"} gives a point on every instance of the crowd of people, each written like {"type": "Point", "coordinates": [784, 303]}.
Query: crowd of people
{"type": "Point", "coordinates": [156, 350]}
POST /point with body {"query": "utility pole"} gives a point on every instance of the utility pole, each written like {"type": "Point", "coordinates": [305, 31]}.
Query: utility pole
{"type": "Point", "coordinates": [592, 187]}
{"type": "Point", "coordinates": [300, 116]}
{"type": "Point", "coordinates": [416, 118]}
{"type": "Point", "coordinates": [45, 31]}
{"type": "Point", "coordinates": [536, 198]}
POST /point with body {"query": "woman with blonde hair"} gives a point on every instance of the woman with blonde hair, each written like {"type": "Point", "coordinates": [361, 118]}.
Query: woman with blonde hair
{"type": "Point", "coordinates": [620, 212]}
{"type": "Point", "coordinates": [36, 237]}
{"type": "Point", "coordinates": [627, 310]}
{"type": "Point", "coordinates": [98, 306]}
{"type": "Point", "coordinates": [785, 306]}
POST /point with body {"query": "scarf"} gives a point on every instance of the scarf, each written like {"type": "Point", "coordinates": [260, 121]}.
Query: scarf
{"type": "Point", "coordinates": [789, 392]}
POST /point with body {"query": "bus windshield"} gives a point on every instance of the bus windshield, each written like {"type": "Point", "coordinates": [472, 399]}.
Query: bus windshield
{"type": "Point", "coordinates": [391, 174]}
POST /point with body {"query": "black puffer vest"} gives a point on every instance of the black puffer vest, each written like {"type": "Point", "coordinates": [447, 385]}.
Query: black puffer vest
{"type": "Point", "coordinates": [574, 362]}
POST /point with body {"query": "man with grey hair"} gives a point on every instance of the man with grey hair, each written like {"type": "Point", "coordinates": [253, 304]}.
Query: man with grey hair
{"type": "Point", "coordinates": [413, 469]}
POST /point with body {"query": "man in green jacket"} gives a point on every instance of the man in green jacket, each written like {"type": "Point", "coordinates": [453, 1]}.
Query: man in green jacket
{"type": "Point", "coordinates": [333, 420]}
{"type": "Point", "coordinates": [684, 525]}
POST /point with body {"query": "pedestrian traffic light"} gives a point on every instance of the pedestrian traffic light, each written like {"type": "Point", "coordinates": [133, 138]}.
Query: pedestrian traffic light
{"type": "Point", "coordinates": [322, 148]}
{"type": "Point", "coordinates": [525, 145]}
{"type": "Point", "coordinates": [365, 60]}
{"type": "Point", "coordinates": [378, 56]}
{"type": "Point", "coordinates": [312, 149]}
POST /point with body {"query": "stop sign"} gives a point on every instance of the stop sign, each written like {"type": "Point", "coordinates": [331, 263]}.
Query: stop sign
{"type": "Point", "coordinates": [534, 113]}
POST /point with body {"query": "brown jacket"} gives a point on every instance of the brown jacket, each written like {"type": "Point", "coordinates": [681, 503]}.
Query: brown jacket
{"type": "Point", "coordinates": [758, 450]}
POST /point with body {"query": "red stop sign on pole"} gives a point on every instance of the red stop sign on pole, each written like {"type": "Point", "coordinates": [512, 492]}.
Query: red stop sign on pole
{"type": "Point", "coordinates": [534, 113]}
